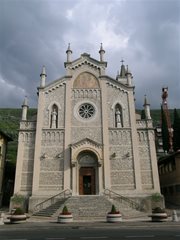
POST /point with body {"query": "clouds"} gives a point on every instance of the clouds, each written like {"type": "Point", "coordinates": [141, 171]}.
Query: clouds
{"type": "Point", "coordinates": [35, 33]}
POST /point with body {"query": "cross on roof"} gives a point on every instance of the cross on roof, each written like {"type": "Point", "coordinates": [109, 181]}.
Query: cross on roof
{"type": "Point", "coordinates": [122, 61]}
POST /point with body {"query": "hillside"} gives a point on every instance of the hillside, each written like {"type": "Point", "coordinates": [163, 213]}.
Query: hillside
{"type": "Point", "coordinates": [9, 123]}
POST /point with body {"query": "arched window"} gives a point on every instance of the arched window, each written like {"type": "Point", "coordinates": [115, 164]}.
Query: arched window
{"type": "Point", "coordinates": [54, 116]}
{"type": "Point", "coordinates": [118, 116]}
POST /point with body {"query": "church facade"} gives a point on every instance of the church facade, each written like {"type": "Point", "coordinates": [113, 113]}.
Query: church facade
{"type": "Point", "coordinates": [86, 137]}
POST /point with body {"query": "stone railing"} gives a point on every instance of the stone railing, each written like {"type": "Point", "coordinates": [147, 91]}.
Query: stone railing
{"type": "Point", "coordinates": [48, 202]}
{"type": "Point", "coordinates": [132, 204]}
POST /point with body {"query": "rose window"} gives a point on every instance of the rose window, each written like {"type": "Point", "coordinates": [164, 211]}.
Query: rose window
{"type": "Point", "coordinates": [86, 110]}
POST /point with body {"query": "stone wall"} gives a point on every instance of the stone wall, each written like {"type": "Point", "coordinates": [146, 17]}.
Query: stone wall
{"type": "Point", "coordinates": [86, 128]}
{"type": "Point", "coordinates": [52, 160]}
{"type": "Point", "coordinates": [145, 160]}
{"type": "Point", "coordinates": [27, 139]}
{"type": "Point", "coordinates": [121, 159]}
{"type": "Point", "coordinates": [117, 95]}
{"type": "Point", "coordinates": [55, 96]}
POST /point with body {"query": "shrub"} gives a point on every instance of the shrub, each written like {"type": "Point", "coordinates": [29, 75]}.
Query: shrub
{"type": "Point", "coordinates": [158, 210]}
{"type": "Point", "coordinates": [113, 210]}
{"type": "Point", "coordinates": [65, 211]}
{"type": "Point", "coordinates": [156, 197]}
{"type": "Point", "coordinates": [18, 211]}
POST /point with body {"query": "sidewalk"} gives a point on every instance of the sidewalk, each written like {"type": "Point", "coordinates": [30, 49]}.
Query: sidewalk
{"type": "Point", "coordinates": [49, 221]}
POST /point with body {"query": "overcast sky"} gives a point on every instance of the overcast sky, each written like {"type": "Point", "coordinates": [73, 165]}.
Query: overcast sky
{"type": "Point", "coordinates": [145, 33]}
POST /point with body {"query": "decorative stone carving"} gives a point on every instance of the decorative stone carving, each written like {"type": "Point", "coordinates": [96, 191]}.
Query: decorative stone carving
{"type": "Point", "coordinates": [120, 136]}
{"type": "Point", "coordinates": [26, 125]}
{"type": "Point", "coordinates": [27, 137]}
{"type": "Point", "coordinates": [52, 136]}
{"type": "Point", "coordinates": [86, 93]}
{"type": "Point", "coordinates": [51, 178]}
{"type": "Point", "coordinates": [94, 133]}
{"type": "Point", "coordinates": [122, 177]}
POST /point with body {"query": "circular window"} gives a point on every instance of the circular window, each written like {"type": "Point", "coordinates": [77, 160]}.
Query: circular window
{"type": "Point", "coordinates": [86, 110]}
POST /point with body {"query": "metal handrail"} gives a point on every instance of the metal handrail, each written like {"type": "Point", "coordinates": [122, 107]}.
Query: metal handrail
{"type": "Point", "coordinates": [49, 201]}
{"type": "Point", "coordinates": [131, 203]}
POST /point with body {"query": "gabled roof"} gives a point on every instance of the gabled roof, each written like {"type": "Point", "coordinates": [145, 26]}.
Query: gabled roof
{"type": "Point", "coordinates": [113, 82]}
{"type": "Point", "coordinates": [85, 59]}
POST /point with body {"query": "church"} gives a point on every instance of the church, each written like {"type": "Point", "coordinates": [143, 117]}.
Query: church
{"type": "Point", "coordinates": [86, 137]}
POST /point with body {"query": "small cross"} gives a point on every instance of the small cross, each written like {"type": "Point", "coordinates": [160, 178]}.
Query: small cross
{"type": "Point", "coordinates": [122, 61]}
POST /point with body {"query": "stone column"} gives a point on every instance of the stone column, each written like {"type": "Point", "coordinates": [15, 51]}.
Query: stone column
{"type": "Point", "coordinates": [100, 176]}
{"type": "Point", "coordinates": [74, 179]}
{"type": "Point", "coordinates": [19, 164]}
{"type": "Point", "coordinates": [67, 137]}
{"type": "Point", "coordinates": [153, 159]}
{"type": "Point", "coordinates": [137, 172]}
{"type": "Point", "coordinates": [105, 132]}
{"type": "Point", "coordinates": [39, 125]}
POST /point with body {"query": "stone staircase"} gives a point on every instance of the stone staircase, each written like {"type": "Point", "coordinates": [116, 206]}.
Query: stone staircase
{"type": "Point", "coordinates": [50, 210]}
{"type": "Point", "coordinates": [90, 207]}
{"type": "Point", "coordinates": [87, 207]}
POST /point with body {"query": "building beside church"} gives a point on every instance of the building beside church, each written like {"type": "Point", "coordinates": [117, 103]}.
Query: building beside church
{"type": "Point", "coordinates": [169, 174]}
{"type": "Point", "coordinates": [4, 139]}
{"type": "Point", "coordinates": [86, 137]}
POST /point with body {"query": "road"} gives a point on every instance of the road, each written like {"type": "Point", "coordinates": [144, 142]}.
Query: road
{"type": "Point", "coordinates": [95, 232]}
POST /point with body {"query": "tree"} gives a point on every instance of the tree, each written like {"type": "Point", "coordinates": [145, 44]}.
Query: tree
{"type": "Point", "coordinates": [176, 131]}
{"type": "Point", "coordinates": [143, 116]}
{"type": "Point", "coordinates": [165, 131]}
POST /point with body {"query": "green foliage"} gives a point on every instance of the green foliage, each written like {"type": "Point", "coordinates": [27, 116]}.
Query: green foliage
{"type": "Point", "coordinates": [18, 199]}
{"type": "Point", "coordinates": [156, 197]}
{"type": "Point", "coordinates": [65, 211]}
{"type": "Point", "coordinates": [176, 131]}
{"type": "Point", "coordinates": [158, 210]}
{"type": "Point", "coordinates": [113, 210]}
{"type": "Point", "coordinates": [9, 124]}
{"type": "Point", "coordinates": [143, 116]}
{"type": "Point", "coordinates": [165, 132]}
{"type": "Point", "coordinates": [18, 211]}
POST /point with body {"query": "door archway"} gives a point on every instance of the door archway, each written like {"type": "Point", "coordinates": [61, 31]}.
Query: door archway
{"type": "Point", "coordinates": [88, 173]}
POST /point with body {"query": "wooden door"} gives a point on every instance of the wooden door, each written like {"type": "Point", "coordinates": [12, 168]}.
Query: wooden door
{"type": "Point", "coordinates": [87, 181]}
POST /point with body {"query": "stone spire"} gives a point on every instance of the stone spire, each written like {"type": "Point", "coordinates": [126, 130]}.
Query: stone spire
{"type": "Point", "coordinates": [43, 77]}
{"type": "Point", "coordinates": [69, 53]}
{"type": "Point", "coordinates": [123, 70]}
{"type": "Point", "coordinates": [24, 109]}
{"type": "Point", "coordinates": [101, 52]}
{"type": "Point", "coordinates": [129, 76]}
{"type": "Point", "coordinates": [146, 108]}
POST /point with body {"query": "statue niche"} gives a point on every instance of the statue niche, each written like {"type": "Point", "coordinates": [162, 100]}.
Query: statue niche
{"type": "Point", "coordinates": [54, 116]}
{"type": "Point", "coordinates": [118, 116]}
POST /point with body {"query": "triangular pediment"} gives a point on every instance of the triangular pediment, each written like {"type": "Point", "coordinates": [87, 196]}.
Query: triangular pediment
{"type": "Point", "coordinates": [55, 84]}
{"type": "Point", "coordinates": [85, 59]}
{"type": "Point", "coordinates": [115, 84]}
{"type": "Point", "coordinates": [86, 141]}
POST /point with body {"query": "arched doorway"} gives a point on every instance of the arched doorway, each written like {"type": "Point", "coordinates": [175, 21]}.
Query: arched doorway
{"type": "Point", "coordinates": [88, 173]}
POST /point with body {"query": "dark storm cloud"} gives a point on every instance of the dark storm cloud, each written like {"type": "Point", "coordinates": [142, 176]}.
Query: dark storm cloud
{"type": "Point", "coordinates": [31, 37]}
{"type": "Point", "coordinates": [35, 33]}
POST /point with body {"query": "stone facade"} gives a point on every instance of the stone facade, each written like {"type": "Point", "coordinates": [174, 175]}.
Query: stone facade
{"type": "Point", "coordinates": [86, 136]}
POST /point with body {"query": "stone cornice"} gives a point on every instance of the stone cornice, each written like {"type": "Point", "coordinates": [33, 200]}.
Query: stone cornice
{"type": "Point", "coordinates": [86, 141]}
